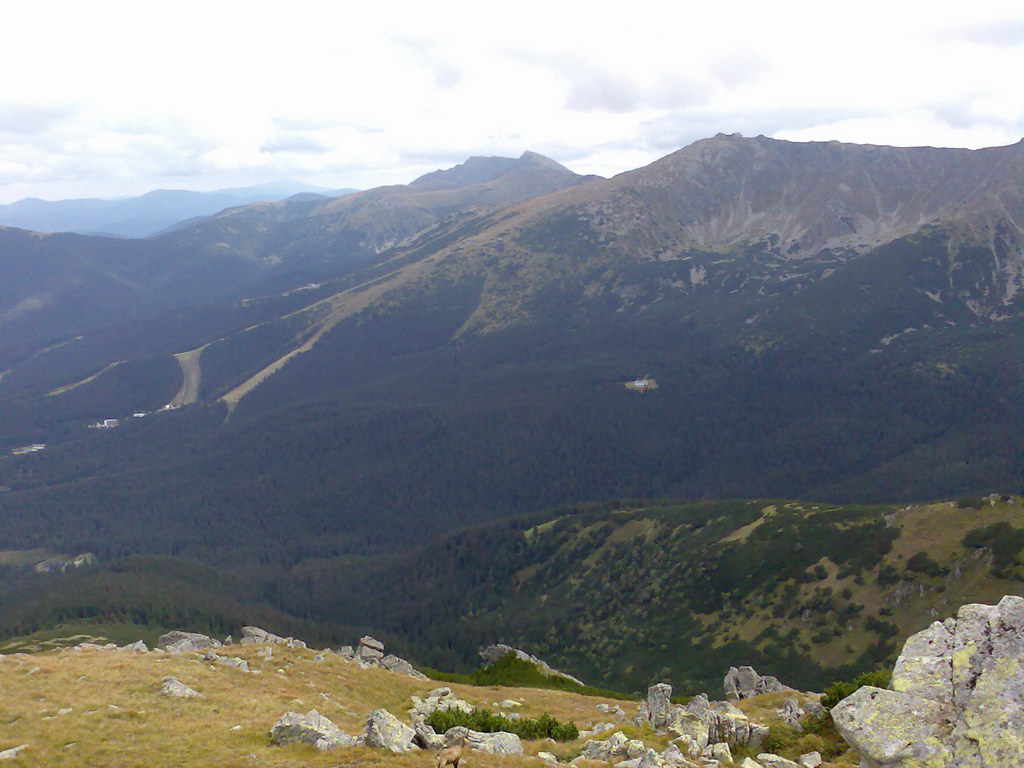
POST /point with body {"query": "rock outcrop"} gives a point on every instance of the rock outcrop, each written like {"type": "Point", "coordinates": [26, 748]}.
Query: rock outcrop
{"type": "Point", "coordinates": [956, 698]}
{"type": "Point", "coordinates": [400, 666]}
{"type": "Point", "coordinates": [255, 635]}
{"type": "Point", "coordinates": [438, 698]}
{"type": "Point", "coordinates": [370, 649]}
{"type": "Point", "coordinates": [310, 728]}
{"type": "Point", "coordinates": [177, 641]}
{"type": "Point", "coordinates": [701, 723]}
{"type": "Point", "coordinates": [386, 731]}
{"type": "Point", "coordinates": [744, 682]}
{"type": "Point", "coordinates": [493, 653]}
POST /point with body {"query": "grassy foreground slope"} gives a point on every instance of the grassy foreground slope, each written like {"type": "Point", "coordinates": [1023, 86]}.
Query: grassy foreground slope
{"type": "Point", "coordinates": [85, 708]}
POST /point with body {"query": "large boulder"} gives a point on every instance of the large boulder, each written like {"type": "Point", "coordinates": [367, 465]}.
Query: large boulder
{"type": "Point", "coordinates": [386, 731]}
{"type": "Point", "coordinates": [177, 641]}
{"type": "Point", "coordinates": [956, 698]}
{"type": "Point", "coordinates": [744, 682]}
{"type": "Point", "coordinates": [310, 728]}
{"type": "Point", "coordinates": [178, 689]}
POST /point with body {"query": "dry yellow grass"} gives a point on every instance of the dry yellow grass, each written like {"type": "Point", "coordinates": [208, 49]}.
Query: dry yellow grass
{"type": "Point", "coordinates": [104, 709]}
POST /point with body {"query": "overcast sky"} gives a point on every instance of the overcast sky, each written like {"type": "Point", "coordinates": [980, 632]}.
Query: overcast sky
{"type": "Point", "coordinates": [103, 99]}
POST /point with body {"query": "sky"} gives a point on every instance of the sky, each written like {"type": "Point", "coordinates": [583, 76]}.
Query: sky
{"type": "Point", "coordinates": [105, 99]}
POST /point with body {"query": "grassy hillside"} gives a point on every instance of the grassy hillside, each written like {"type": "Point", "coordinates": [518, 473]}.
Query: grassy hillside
{"type": "Point", "coordinates": [80, 709]}
{"type": "Point", "coordinates": [620, 594]}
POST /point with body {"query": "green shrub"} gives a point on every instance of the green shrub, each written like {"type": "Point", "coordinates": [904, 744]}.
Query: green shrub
{"type": "Point", "coordinates": [922, 563]}
{"type": "Point", "coordinates": [515, 672]}
{"type": "Point", "coordinates": [839, 690]}
{"type": "Point", "coordinates": [780, 737]}
{"type": "Point", "coordinates": [485, 721]}
{"type": "Point", "coordinates": [887, 574]}
{"type": "Point", "coordinates": [969, 502]}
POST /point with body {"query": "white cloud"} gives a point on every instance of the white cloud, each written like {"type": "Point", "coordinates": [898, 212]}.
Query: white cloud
{"type": "Point", "coordinates": [121, 97]}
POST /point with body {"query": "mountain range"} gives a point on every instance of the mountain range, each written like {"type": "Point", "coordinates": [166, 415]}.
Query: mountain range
{"type": "Point", "coordinates": [146, 214]}
{"type": "Point", "coordinates": [350, 377]}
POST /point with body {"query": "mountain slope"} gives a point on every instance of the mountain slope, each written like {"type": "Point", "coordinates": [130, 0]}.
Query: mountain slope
{"type": "Point", "coordinates": [243, 251]}
{"type": "Point", "coordinates": [479, 369]}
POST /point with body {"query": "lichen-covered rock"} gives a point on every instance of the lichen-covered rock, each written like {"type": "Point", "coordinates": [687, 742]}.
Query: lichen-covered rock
{"type": "Point", "coordinates": [177, 641]}
{"type": "Point", "coordinates": [719, 752]}
{"type": "Point", "coordinates": [658, 709]}
{"type": "Point", "coordinates": [255, 635]}
{"type": "Point", "coordinates": [172, 687]}
{"type": "Point", "coordinates": [744, 682]}
{"type": "Point", "coordinates": [607, 749]}
{"type": "Point", "coordinates": [386, 731]}
{"type": "Point", "coordinates": [310, 728]}
{"type": "Point", "coordinates": [957, 696]}
{"type": "Point", "coordinates": [810, 759]}
{"type": "Point", "coordinates": [137, 647]}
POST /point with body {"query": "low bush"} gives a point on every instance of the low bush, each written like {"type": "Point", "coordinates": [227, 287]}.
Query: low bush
{"type": "Point", "coordinates": [515, 672]}
{"type": "Point", "coordinates": [839, 690]}
{"type": "Point", "coordinates": [485, 721]}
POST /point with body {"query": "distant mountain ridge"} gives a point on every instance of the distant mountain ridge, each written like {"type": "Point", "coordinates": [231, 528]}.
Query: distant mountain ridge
{"type": "Point", "coordinates": [146, 214]}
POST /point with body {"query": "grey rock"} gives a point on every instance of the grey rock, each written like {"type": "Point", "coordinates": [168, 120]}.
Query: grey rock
{"type": "Point", "coordinates": [439, 698]}
{"type": "Point", "coordinates": [310, 728]}
{"type": "Point", "coordinates": [749, 762]}
{"type": "Point", "coordinates": [386, 731]}
{"type": "Point", "coordinates": [673, 755]}
{"type": "Point", "coordinates": [768, 760]}
{"type": "Point", "coordinates": [255, 635]}
{"type": "Point", "coordinates": [400, 666]}
{"type": "Point", "coordinates": [426, 737]}
{"type": "Point", "coordinates": [233, 662]}
{"type": "Point", "coordinates": [137, 647]}
{"type": "Point", "coordinates": [370, 649]}
{"type": "Point", "coordinates": [13, 752]}
{"type": "Point", "coordinates": [658, 708]}
{"type": "Point", "coordinates": [498, 743]}
{"type": "Point", "coordinates": [547, 757]}
{"type": "Point", "coordinates": [612, 709]}
{"type": "Point", "coordinates": [810, 759]}
{"type": "Point", "coordinates": [719, 751]}
{"type": "Point", "coordinates": [957, 696]}
{"type": "Point", "coordinates": [744, 682]}
{"type": "Point", "coordinates": [172, 687]}
{"type": "Point", "coordinates": [181, 642]}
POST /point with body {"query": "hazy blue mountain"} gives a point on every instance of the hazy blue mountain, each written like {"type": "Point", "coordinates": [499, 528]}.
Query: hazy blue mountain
{"type": "Point", "coordinates": [143, 215]}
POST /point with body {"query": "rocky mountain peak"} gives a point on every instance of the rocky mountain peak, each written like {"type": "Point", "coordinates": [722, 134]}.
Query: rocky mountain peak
{"type": "Point", "coordinates": [480, 170]}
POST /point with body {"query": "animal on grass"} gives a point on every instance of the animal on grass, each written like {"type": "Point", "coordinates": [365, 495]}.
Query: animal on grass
{"type": "Point", "coordinates": [451, 754]}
